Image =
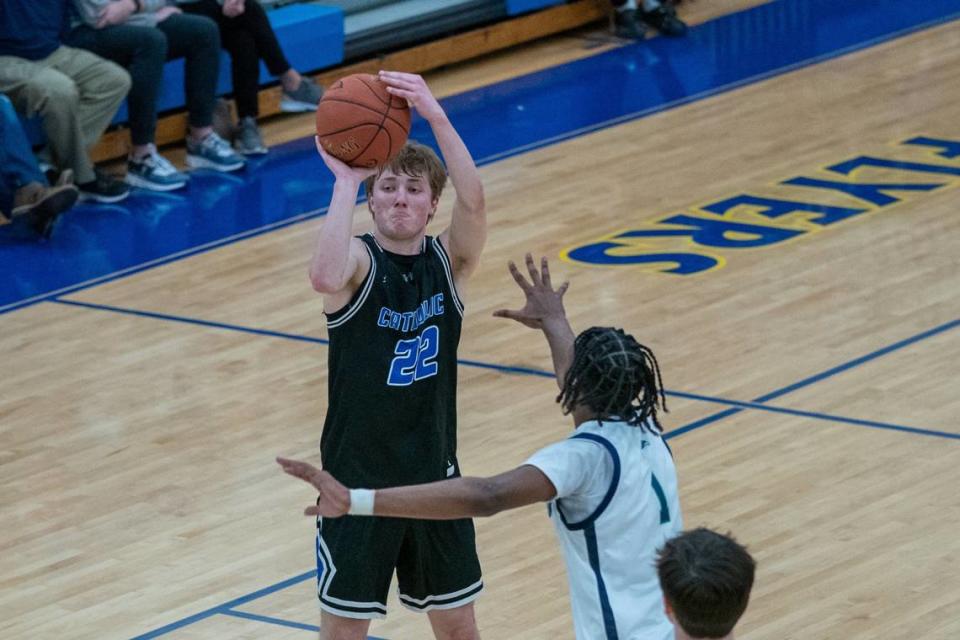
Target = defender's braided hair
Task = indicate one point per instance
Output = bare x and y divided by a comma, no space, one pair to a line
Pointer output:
615,376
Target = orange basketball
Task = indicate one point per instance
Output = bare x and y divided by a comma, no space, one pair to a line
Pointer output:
360,123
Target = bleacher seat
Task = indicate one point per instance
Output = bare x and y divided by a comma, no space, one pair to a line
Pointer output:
516,7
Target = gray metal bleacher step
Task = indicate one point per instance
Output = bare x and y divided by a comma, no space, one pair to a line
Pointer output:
378,26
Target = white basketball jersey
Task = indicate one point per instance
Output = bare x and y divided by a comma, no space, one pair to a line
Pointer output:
611,553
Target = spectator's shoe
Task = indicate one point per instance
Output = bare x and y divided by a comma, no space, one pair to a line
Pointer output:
105,188
248,140
626,24
55,177
65,177
664,19
154,172
303,98
213,152
40,206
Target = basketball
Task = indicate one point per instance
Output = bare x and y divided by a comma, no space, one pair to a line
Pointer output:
361,124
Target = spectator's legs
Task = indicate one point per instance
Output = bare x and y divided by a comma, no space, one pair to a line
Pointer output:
24,191
255,22
18,167
197,40
142,51
248,38
101,86
245,71
75,93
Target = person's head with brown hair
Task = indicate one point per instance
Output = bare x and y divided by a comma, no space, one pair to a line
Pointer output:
706,579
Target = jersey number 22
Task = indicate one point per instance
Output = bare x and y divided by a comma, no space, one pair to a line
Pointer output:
415,359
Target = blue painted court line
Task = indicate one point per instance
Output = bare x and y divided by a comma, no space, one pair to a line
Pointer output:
173,626
702,422
159,262
739,405
810,414
277,621
94,244
857,362
203,323
824,375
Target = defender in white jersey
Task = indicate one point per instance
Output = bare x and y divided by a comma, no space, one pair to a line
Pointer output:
611,485
616,505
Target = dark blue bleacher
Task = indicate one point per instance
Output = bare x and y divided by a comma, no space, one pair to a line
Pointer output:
516,7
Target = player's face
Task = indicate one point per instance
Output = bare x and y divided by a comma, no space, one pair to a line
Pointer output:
402,205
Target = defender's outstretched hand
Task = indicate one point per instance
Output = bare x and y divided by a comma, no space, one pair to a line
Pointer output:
543,301
413,88
334,498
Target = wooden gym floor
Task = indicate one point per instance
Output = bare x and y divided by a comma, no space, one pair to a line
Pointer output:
812,365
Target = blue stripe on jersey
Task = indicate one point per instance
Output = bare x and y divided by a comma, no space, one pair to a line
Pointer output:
588,521
590,534
664,509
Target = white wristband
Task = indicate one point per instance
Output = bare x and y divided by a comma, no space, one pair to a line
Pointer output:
361,502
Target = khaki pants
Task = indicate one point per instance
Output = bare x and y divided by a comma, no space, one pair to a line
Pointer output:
75,93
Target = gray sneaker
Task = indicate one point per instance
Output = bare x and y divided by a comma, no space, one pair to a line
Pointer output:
154,172
213,152
248,140
303,98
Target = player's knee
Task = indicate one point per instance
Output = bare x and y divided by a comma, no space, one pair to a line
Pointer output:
329,633
337,628
463,631
342,634
455,624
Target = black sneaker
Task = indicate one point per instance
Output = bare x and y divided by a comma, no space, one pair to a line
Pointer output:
664,19
105,188
627,25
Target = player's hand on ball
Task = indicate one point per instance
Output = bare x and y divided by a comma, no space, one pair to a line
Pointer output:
543,301
334,498
413,88
340,169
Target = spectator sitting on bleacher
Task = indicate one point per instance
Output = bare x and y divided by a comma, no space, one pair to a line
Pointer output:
141,35
75,93
24,190
248,38
630,21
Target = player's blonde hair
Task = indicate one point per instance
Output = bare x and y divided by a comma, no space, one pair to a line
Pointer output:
416,160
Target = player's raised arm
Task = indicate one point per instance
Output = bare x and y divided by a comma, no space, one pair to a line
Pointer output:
339,261
465,237
544,310
444,500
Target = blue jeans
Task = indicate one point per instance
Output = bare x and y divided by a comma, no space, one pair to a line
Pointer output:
18,166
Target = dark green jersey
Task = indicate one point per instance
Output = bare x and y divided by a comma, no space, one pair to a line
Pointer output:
391,415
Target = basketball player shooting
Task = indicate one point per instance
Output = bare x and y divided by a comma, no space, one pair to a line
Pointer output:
393,301
612,484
